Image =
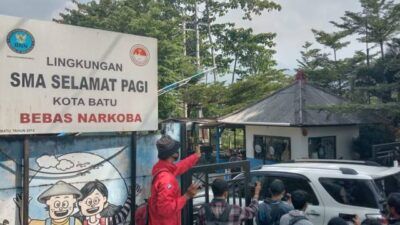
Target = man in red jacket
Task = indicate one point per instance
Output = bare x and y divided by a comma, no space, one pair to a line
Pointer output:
166,201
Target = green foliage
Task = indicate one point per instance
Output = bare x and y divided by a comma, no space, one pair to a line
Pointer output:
377,23
158,19
372,135
331,40
250,53
254,88
372,84
218,99
163,20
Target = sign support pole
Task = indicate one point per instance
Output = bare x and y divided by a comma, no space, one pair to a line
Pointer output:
133,175
25,185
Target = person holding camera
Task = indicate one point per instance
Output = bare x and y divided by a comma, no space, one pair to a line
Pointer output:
220,212
271,210
166,201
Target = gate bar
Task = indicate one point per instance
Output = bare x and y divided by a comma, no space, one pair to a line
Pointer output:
25,184
133,175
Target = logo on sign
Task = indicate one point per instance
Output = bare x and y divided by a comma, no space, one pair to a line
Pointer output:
20,41
140,55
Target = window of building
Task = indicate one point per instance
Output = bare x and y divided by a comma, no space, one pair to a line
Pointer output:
351,191
271,148
322,147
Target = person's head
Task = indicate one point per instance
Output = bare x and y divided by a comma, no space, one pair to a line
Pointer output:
60,200
299,200
94,198
394,205
168,148
337,221
277,188
220,188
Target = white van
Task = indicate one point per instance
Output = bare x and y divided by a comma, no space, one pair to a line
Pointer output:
335,186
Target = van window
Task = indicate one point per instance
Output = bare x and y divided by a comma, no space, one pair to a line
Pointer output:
291,184
353,192
388,184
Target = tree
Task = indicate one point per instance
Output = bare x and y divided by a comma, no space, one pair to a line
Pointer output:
317,66
214,9
377,23
311,58
253,88
250,53
163,21
331,40
371,83
158,19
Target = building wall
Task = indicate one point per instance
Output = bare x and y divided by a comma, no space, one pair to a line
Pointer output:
299,143
344,138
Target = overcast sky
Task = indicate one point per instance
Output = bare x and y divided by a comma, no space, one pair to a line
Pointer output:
292,24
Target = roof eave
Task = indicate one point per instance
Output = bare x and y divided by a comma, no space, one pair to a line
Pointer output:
257,123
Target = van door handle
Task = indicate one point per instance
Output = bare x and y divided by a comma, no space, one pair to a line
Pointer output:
313,213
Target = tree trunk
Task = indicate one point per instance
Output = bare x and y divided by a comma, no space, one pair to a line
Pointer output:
210,39
184,37
337,72
367,54
234,70
382,51
334,55
366,42
197,36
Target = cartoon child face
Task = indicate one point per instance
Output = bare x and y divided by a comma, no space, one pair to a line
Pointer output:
93,203
61,206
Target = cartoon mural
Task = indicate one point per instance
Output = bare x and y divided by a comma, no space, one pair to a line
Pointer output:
60,200
73,180
82,180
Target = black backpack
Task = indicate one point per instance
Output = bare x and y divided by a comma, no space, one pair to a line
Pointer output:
211,219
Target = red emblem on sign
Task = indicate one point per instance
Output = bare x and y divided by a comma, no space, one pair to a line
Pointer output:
139,55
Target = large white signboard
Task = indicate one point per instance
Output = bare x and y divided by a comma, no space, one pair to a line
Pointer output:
58,78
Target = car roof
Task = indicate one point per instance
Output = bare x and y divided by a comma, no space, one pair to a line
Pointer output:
336,168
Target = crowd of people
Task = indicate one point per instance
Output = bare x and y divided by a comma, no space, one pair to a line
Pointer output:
166,201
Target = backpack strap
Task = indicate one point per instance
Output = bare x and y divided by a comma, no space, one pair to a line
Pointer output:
209,214
296,219
225,215
147,214
156,175
71,221
275,212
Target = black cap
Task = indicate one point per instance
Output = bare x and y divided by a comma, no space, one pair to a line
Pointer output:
167,146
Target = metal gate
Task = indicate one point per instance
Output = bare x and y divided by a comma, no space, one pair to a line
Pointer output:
239,189
386,154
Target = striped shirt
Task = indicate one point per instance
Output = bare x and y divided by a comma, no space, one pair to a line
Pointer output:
237,214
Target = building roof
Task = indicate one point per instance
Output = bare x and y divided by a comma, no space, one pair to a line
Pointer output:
295,105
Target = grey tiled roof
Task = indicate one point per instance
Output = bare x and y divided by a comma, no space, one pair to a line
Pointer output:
295,105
